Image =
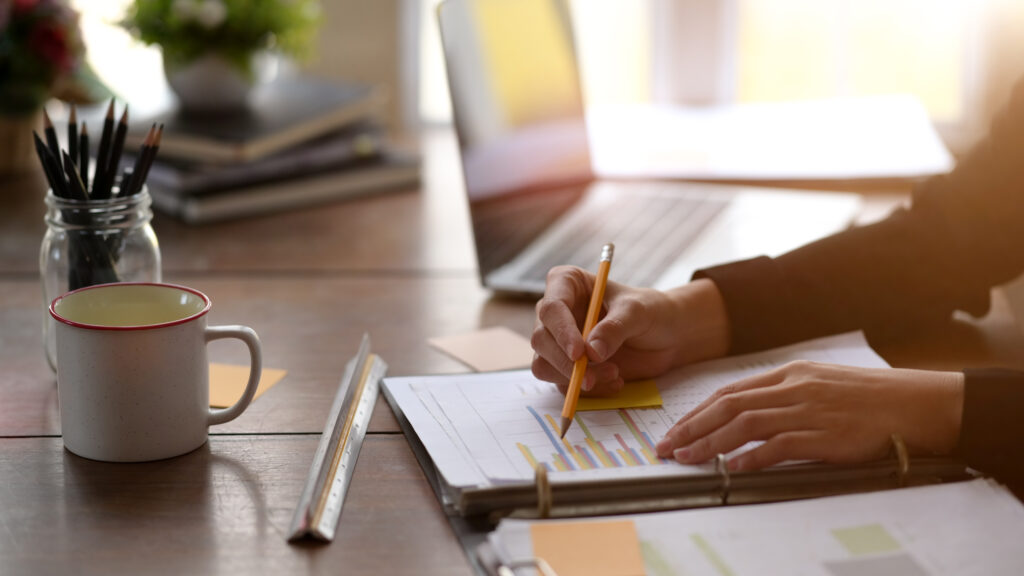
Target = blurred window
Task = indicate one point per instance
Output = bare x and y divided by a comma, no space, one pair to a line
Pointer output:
776,50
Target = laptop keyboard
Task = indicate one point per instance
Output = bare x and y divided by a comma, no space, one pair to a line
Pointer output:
649,232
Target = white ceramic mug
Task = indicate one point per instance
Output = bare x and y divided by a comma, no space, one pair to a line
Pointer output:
132,370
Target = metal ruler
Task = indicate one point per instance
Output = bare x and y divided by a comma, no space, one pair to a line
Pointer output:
335,460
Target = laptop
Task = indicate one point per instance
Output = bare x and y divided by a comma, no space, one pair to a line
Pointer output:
533,198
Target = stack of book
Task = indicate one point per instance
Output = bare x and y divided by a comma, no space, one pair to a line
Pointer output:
300,142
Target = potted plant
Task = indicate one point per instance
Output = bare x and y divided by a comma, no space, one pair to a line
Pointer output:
40,51
209,46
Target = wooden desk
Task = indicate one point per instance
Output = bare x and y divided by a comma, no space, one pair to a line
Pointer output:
310,282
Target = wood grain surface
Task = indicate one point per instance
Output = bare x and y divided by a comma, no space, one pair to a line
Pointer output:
400,266
222,509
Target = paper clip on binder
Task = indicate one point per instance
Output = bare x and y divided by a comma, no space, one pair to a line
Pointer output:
335,460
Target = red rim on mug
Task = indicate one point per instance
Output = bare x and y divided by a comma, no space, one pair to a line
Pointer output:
59,318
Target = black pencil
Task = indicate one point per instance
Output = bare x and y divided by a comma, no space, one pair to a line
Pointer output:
75,183
129,188
52,165
59,179
153,156
73,134
115,154
41,152
103,153
83,155
147,163
126,177
51,135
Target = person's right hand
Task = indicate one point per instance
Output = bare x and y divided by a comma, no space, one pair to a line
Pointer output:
641,334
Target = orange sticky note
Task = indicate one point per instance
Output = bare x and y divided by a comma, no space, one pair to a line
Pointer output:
496,348
227,383
603,548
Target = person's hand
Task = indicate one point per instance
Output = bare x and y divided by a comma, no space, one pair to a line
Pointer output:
811,411
642,333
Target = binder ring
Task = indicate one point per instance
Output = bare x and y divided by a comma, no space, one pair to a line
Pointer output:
721,466
540,564
902,459
543,491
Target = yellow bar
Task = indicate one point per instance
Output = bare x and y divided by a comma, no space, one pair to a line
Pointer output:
527,454
580,460
600,453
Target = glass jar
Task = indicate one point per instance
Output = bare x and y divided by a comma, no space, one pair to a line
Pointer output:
94,242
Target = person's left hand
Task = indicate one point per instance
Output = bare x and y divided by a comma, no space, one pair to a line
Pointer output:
811,411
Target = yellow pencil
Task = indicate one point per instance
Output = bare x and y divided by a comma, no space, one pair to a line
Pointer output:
580,368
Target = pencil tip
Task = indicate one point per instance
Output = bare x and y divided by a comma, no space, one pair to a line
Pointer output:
74,115
124,115
46,119
84,129
566,422
110,108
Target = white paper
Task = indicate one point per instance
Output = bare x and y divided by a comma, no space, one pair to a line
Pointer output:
491,428
957,529
888,136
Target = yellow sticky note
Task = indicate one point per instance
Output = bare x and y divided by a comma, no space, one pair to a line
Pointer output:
604,548
227,383
639,394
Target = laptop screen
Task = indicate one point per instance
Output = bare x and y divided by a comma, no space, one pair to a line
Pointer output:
518,111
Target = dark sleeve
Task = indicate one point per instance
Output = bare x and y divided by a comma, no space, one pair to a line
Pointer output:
992,429
962,235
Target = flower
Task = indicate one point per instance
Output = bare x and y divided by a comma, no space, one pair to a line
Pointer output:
40,47
50,41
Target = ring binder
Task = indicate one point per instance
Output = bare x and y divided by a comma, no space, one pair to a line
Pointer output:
540,564
722,467
902,459
540,497
543,492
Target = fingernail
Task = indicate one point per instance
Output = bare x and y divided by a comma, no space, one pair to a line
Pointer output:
599,348
682,455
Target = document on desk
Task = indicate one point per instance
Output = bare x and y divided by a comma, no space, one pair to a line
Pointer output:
961,528
491,429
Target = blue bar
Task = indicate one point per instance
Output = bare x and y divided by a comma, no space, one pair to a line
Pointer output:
551,437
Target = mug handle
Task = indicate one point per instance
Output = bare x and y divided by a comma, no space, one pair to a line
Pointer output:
252,341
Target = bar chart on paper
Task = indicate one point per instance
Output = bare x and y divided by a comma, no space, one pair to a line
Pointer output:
592,452
515,427
497,427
